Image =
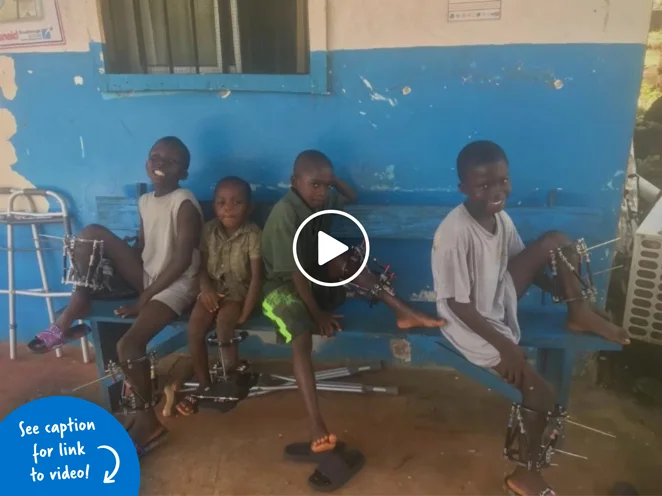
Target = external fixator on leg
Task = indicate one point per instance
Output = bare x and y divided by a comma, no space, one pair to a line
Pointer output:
383,273
131,400
98,276
519,447
90,276
227,387
582,272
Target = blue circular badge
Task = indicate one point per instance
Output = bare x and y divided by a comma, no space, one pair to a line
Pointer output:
66,446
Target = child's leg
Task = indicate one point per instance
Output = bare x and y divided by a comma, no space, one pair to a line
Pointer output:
133,346
199,323
226,321
125,260
293,322
581,317
406,317
537,396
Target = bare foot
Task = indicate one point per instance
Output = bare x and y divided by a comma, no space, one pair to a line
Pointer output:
327,442
523,482
587,320
413,318
170,392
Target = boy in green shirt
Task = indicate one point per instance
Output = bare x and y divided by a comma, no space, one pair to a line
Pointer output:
300,309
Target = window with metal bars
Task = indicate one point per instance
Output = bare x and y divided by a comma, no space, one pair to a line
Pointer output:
205,36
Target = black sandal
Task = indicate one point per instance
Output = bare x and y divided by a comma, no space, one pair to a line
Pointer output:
335,470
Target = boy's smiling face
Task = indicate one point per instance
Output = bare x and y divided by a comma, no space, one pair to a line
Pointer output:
487,187
164,165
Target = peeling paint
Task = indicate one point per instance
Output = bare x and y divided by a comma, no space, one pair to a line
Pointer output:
30,71
388,174
427,295
610,184
558,84
401,349
377,97
406,90
78,80
8,176
82,147
362,112
7,78
225,93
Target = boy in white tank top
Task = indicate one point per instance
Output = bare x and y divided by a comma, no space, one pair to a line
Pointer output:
162,268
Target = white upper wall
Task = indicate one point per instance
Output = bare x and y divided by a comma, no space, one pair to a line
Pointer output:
355,24
358,24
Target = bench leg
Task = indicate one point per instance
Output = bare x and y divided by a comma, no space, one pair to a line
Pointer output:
105,336
556,366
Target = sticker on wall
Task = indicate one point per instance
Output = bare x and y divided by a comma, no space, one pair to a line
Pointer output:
479,10
30,23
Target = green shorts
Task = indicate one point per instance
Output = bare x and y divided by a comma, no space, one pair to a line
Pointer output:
287,311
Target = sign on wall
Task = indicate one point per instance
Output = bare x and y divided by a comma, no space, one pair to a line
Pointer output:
30,23
478,10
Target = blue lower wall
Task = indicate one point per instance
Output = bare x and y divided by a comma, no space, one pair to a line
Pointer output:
564,114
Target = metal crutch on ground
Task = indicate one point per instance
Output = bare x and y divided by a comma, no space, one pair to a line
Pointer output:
11,218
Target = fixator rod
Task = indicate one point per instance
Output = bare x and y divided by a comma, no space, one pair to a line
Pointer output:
603,244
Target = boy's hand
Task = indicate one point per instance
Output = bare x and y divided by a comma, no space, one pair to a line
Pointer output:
327,323
513,362
133,310
210,299
344,189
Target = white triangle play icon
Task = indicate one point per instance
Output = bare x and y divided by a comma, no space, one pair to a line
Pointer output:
328,248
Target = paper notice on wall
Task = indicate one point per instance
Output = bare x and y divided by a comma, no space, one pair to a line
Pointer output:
30,23
480,10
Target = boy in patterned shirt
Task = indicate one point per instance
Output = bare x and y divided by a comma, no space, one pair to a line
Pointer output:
230,279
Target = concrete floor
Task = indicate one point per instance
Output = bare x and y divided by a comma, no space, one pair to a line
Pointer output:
442,435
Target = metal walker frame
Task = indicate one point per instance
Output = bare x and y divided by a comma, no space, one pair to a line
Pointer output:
12,217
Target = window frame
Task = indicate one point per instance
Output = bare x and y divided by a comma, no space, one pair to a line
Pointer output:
315,82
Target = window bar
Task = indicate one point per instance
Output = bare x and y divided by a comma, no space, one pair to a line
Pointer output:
194,29
140,35
236,36
217,25
167,33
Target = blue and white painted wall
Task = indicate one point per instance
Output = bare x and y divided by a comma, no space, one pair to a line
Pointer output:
555,83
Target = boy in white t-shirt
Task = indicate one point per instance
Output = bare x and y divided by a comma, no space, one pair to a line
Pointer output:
481,269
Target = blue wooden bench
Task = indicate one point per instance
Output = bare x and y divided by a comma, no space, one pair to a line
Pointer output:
400,235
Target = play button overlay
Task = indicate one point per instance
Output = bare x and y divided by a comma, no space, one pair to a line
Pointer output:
329,247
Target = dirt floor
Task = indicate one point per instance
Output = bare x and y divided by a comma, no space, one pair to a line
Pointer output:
443,434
